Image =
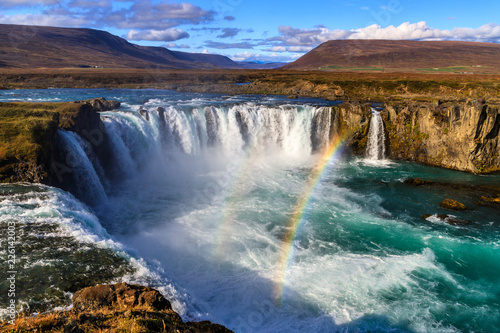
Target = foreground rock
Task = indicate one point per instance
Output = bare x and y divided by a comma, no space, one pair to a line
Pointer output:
452,204
114,308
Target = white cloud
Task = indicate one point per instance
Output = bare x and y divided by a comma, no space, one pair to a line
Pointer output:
166,35
296,38
16,3
90,3
44,20
176,46
308,37
273,57
300,48
421,31
158,16
277,49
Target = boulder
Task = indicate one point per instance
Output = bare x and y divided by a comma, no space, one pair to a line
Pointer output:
417,181
452,204
101,104
144,113
491,200
121,296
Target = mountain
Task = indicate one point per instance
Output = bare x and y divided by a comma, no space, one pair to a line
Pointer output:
23,46
398,55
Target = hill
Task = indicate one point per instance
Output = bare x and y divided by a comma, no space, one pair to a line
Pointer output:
401,55
51,47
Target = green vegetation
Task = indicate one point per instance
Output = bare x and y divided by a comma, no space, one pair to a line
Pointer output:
408,141
451,69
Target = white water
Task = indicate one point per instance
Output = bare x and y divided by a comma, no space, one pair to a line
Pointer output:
83,171
231,131
376,138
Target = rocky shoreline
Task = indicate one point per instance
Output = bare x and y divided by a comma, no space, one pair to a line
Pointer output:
117,307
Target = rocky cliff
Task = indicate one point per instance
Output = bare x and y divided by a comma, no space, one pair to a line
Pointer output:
29,149
461,135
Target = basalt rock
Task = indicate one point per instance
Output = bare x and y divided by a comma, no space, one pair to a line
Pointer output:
452,204
144,113
455,134
461,135
121,296
101,104
30,149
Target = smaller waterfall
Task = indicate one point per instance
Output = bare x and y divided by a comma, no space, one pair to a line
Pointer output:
375,149
85,175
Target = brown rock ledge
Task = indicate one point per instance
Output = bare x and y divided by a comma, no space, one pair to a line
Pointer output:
120,307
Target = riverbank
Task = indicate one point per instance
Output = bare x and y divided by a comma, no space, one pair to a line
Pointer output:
377,87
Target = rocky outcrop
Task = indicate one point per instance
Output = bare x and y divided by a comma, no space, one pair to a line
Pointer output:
120,307
121,296
101,104
29,151
459,134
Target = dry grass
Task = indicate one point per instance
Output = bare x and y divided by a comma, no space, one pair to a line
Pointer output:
354,85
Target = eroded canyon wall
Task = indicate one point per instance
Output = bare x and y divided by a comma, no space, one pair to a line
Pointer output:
461,135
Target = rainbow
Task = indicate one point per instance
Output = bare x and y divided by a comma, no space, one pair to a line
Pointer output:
295,222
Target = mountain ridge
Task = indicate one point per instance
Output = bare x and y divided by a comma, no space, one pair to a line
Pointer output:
401,55
24,46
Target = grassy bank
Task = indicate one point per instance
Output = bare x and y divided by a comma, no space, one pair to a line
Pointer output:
26,133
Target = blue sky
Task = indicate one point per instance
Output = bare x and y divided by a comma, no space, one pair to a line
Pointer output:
263,30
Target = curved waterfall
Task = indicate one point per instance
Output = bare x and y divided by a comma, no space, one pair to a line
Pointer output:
158,135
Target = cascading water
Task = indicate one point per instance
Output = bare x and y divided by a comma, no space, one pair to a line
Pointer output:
375,149
231,130
205,189
84,172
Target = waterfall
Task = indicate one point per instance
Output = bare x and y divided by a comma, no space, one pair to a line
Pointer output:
79,156
229,130
376,137
156,138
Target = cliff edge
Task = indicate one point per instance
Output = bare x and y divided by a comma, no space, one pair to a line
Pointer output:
457,134
28,136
